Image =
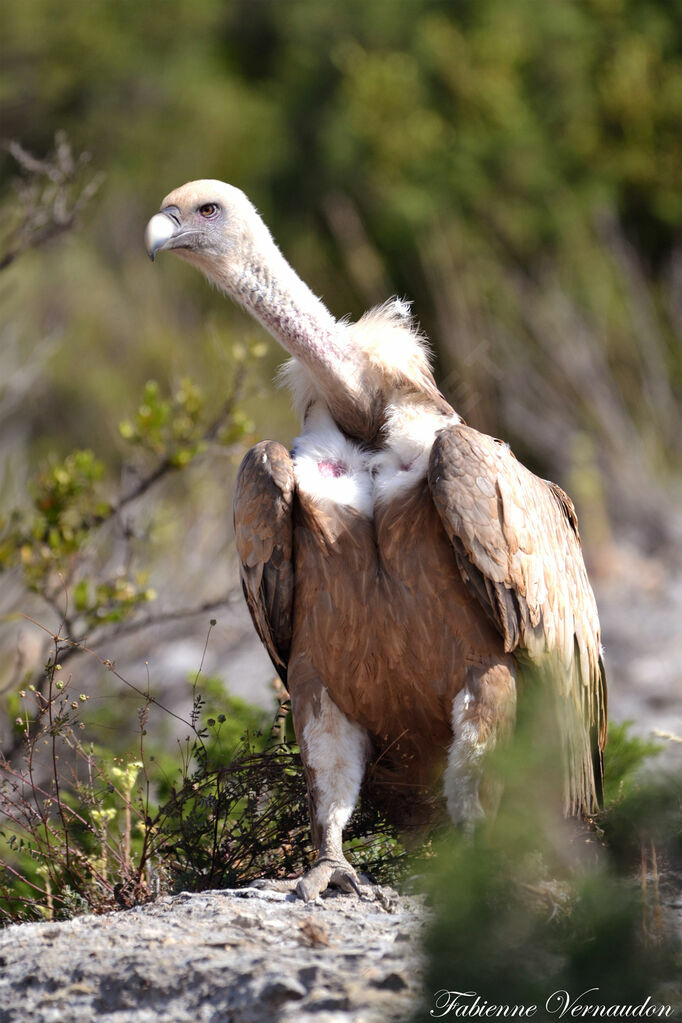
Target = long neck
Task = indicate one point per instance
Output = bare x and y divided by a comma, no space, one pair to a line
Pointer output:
262,281
270,290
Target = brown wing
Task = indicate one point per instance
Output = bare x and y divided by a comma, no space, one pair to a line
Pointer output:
263,498
517,546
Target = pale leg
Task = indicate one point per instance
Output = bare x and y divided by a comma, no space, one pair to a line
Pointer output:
334,752
483,712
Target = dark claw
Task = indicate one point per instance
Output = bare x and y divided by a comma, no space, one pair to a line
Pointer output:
355,886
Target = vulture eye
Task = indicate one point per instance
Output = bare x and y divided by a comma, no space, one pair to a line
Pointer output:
209,209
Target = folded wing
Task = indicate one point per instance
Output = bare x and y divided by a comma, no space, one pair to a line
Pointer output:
263,525
516,542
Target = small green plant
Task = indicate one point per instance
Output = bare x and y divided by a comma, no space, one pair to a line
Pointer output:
61,800
48,541
84,830
625,756
106,831
67,840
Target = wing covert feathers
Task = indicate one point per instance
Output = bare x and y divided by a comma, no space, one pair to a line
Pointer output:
517,547
264,493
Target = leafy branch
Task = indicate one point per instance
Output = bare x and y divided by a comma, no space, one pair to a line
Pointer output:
52,546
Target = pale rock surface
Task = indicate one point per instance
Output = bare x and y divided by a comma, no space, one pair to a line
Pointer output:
234,956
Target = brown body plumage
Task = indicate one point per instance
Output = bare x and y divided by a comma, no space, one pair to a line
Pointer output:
399,566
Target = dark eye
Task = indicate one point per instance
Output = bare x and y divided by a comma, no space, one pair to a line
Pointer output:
209,209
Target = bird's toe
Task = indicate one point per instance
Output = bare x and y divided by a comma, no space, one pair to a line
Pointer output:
345,878
274,884
326,871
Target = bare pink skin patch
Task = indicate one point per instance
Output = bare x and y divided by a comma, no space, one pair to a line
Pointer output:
331,470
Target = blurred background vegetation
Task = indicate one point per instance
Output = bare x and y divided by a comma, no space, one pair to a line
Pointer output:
512,166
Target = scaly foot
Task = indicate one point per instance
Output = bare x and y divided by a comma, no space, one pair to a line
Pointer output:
328,871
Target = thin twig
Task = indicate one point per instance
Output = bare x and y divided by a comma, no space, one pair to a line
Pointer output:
55,770
163,618
76,646
50,200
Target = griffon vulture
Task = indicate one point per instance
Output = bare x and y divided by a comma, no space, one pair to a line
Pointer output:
398,565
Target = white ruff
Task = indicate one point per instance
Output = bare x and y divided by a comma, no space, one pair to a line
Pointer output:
410,431
323,445
329,468
391,357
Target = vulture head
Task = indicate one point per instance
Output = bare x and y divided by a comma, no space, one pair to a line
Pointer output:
210,224
215,227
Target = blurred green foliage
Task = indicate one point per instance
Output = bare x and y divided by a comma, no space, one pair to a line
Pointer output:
51,542
624,755
168,427
536,905
511,165
514,935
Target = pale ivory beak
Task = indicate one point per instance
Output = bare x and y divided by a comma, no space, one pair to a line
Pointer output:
158,233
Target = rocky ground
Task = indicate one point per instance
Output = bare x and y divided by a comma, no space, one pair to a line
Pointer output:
236,956
642,632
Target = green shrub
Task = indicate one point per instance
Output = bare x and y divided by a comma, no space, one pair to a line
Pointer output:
536,905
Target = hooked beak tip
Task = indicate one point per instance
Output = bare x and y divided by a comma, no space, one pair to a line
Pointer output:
158,233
